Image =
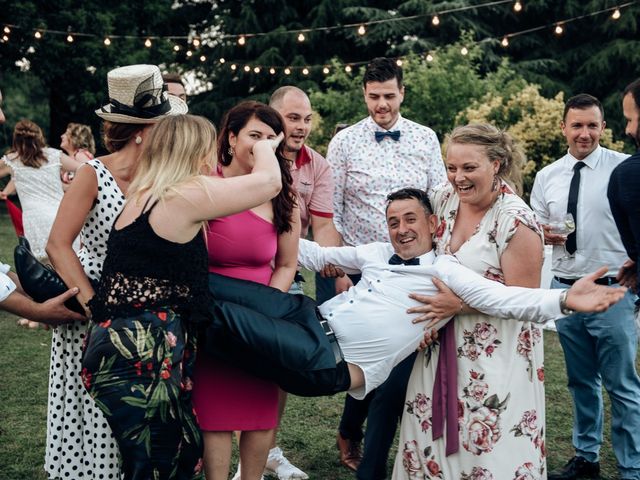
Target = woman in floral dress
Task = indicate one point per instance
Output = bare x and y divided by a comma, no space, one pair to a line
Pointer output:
497,430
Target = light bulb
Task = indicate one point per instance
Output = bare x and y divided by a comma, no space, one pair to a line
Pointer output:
222,60
464,50
189,53
361,30
325,70
147,43
559,30
107,41
435,20
305,71
196,42
429,58
256,70
272,71
247,68
301,37
242,40
348,69
233,67
287,71
176,48
505,42
70,38
517,7
202,58
616,14
38,35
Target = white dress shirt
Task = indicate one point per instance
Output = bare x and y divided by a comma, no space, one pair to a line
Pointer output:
370,320
597,239
366,171
7,286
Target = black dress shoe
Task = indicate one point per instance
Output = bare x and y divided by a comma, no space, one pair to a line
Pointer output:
576,468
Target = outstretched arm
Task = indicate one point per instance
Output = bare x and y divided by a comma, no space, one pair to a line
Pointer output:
527,304
314,257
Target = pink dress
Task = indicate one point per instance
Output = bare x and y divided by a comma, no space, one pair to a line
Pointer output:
226,398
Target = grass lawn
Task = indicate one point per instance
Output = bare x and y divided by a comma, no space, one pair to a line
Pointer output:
308,430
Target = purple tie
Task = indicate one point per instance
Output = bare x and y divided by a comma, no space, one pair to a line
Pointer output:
445,390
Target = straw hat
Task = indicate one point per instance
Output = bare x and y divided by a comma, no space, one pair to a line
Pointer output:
138,95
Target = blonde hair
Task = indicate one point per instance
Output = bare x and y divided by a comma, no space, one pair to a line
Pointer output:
176,150
28,142
498,145
80,136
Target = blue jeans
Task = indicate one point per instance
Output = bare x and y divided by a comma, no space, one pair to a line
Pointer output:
600,348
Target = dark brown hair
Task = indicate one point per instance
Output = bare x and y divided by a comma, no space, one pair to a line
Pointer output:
28,142
234,121
116,135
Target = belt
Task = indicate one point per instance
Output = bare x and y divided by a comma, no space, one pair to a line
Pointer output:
599,281
331,336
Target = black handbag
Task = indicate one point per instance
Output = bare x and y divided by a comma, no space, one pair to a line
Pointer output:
40,281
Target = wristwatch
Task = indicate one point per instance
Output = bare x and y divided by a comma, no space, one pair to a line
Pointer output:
563,303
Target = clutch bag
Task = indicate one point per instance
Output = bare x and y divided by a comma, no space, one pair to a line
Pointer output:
41,282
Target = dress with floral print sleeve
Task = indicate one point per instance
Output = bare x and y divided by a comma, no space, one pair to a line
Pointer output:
501,414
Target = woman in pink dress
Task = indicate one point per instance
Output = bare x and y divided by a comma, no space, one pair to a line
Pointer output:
261,245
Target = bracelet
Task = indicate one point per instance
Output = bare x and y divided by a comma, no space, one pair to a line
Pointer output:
563,303
461,305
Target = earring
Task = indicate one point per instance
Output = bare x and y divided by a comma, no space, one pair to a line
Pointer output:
138,139
494,186
230,151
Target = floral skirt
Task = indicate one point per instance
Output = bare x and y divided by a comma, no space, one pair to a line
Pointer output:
138,371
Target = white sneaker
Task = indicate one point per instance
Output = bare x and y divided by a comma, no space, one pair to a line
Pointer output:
237,475
278,466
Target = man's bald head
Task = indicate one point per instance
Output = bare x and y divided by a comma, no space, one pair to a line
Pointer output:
294,106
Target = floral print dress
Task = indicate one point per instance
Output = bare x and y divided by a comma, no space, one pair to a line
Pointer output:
500,383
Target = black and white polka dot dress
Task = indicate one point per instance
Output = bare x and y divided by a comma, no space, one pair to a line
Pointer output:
79,441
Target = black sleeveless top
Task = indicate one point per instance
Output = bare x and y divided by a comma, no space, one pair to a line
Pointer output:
145,271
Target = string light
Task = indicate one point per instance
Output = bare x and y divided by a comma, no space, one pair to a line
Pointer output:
189,53
429,57
361,30
176,48
435,20
301,37
305,71
107,41
325,70
256,70
287,71
272,71
7,30
147,43
247,68
38,35
202,58
464,50
505,42
70,38
517,7
616,14
399,62
559,30
196,42
5,38
222,60
242,40
233,67
348,69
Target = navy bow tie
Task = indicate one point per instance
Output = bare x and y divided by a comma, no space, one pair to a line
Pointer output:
396,260
395,135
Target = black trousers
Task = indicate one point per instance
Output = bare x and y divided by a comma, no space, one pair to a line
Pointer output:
382,409
273,335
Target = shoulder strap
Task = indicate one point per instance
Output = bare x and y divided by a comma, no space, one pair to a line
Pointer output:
144,208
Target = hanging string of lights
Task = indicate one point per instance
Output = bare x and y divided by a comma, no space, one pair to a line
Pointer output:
195,41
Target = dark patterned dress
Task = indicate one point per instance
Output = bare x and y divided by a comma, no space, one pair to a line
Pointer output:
140,350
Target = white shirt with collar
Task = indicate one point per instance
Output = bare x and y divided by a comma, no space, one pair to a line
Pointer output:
597,239
370,320
7,287
366,171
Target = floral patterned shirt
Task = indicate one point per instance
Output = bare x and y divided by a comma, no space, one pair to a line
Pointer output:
366,171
